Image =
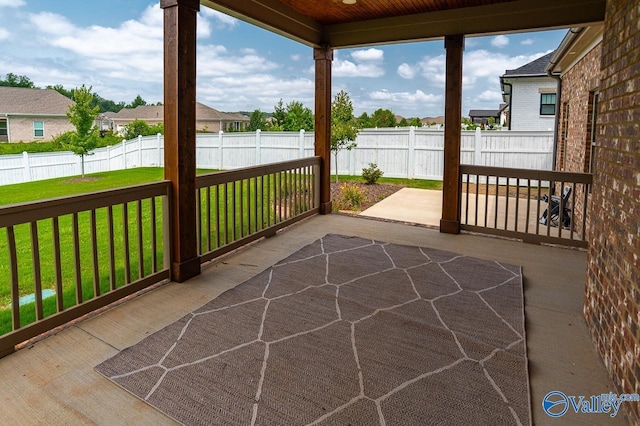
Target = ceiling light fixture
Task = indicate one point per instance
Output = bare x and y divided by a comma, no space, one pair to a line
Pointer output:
349,1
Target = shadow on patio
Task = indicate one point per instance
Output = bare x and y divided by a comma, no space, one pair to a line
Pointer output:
53,381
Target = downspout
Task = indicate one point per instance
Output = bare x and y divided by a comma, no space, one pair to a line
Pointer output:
510,102
554,160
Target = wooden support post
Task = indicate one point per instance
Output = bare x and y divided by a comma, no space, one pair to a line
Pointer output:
180,132
451,186
323,58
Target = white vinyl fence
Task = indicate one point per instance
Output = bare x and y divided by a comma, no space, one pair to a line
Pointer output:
403,152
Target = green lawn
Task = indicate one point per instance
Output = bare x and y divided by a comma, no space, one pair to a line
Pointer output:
47,189
240,219
60,187
248,218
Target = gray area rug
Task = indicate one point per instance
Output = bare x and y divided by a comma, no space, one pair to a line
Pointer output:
345,331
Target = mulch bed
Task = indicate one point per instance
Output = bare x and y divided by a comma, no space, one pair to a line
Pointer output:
374,193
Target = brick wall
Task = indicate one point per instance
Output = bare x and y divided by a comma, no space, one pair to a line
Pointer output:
21,128
579,84
525,104
612,295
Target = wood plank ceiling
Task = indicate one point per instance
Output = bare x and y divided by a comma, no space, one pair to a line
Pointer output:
336,24
336,11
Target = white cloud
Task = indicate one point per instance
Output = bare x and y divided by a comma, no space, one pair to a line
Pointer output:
296,57
406,71
12,3
480,68
489,96
527,41
416,97
368,55
51,23
366,63
261,91
216,61
500,41
4,34
350,69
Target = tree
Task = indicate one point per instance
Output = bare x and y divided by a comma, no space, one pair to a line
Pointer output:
298,117
64,92
344,127
136,128
257,121
138,101
279,115
415,122
13,80
82,115
383,118
364,121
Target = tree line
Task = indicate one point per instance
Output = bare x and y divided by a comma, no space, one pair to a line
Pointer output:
295,117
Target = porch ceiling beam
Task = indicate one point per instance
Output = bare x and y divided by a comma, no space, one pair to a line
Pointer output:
514,16
273,16
522,15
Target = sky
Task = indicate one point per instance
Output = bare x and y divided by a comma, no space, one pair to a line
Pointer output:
116,47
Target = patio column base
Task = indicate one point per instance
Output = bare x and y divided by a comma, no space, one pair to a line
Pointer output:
449,226
180,272
326,208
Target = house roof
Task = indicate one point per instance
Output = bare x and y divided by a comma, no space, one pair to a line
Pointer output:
429,120
23,101
574,46
484,113
141,112
338,25
532,69
156,112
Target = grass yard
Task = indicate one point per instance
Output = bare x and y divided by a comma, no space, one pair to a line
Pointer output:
53,188
237,217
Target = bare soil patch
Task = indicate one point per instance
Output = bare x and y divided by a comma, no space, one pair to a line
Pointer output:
81,179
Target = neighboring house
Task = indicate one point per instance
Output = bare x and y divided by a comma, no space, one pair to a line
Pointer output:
430,121
481,116
28,115
207,119
577,61
530,94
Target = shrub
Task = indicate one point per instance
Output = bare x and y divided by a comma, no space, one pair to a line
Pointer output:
371,174
350,198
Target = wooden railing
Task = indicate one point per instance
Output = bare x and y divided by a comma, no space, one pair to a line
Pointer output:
242,205
63,258
525,204
83,251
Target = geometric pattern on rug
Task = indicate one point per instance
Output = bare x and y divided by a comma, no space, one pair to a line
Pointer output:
345,331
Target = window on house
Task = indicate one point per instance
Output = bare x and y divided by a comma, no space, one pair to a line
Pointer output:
547,104
3,128
38,129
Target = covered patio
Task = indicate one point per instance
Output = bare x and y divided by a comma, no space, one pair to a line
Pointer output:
54,380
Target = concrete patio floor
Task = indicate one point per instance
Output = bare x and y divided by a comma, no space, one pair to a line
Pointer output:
53,382
424,207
